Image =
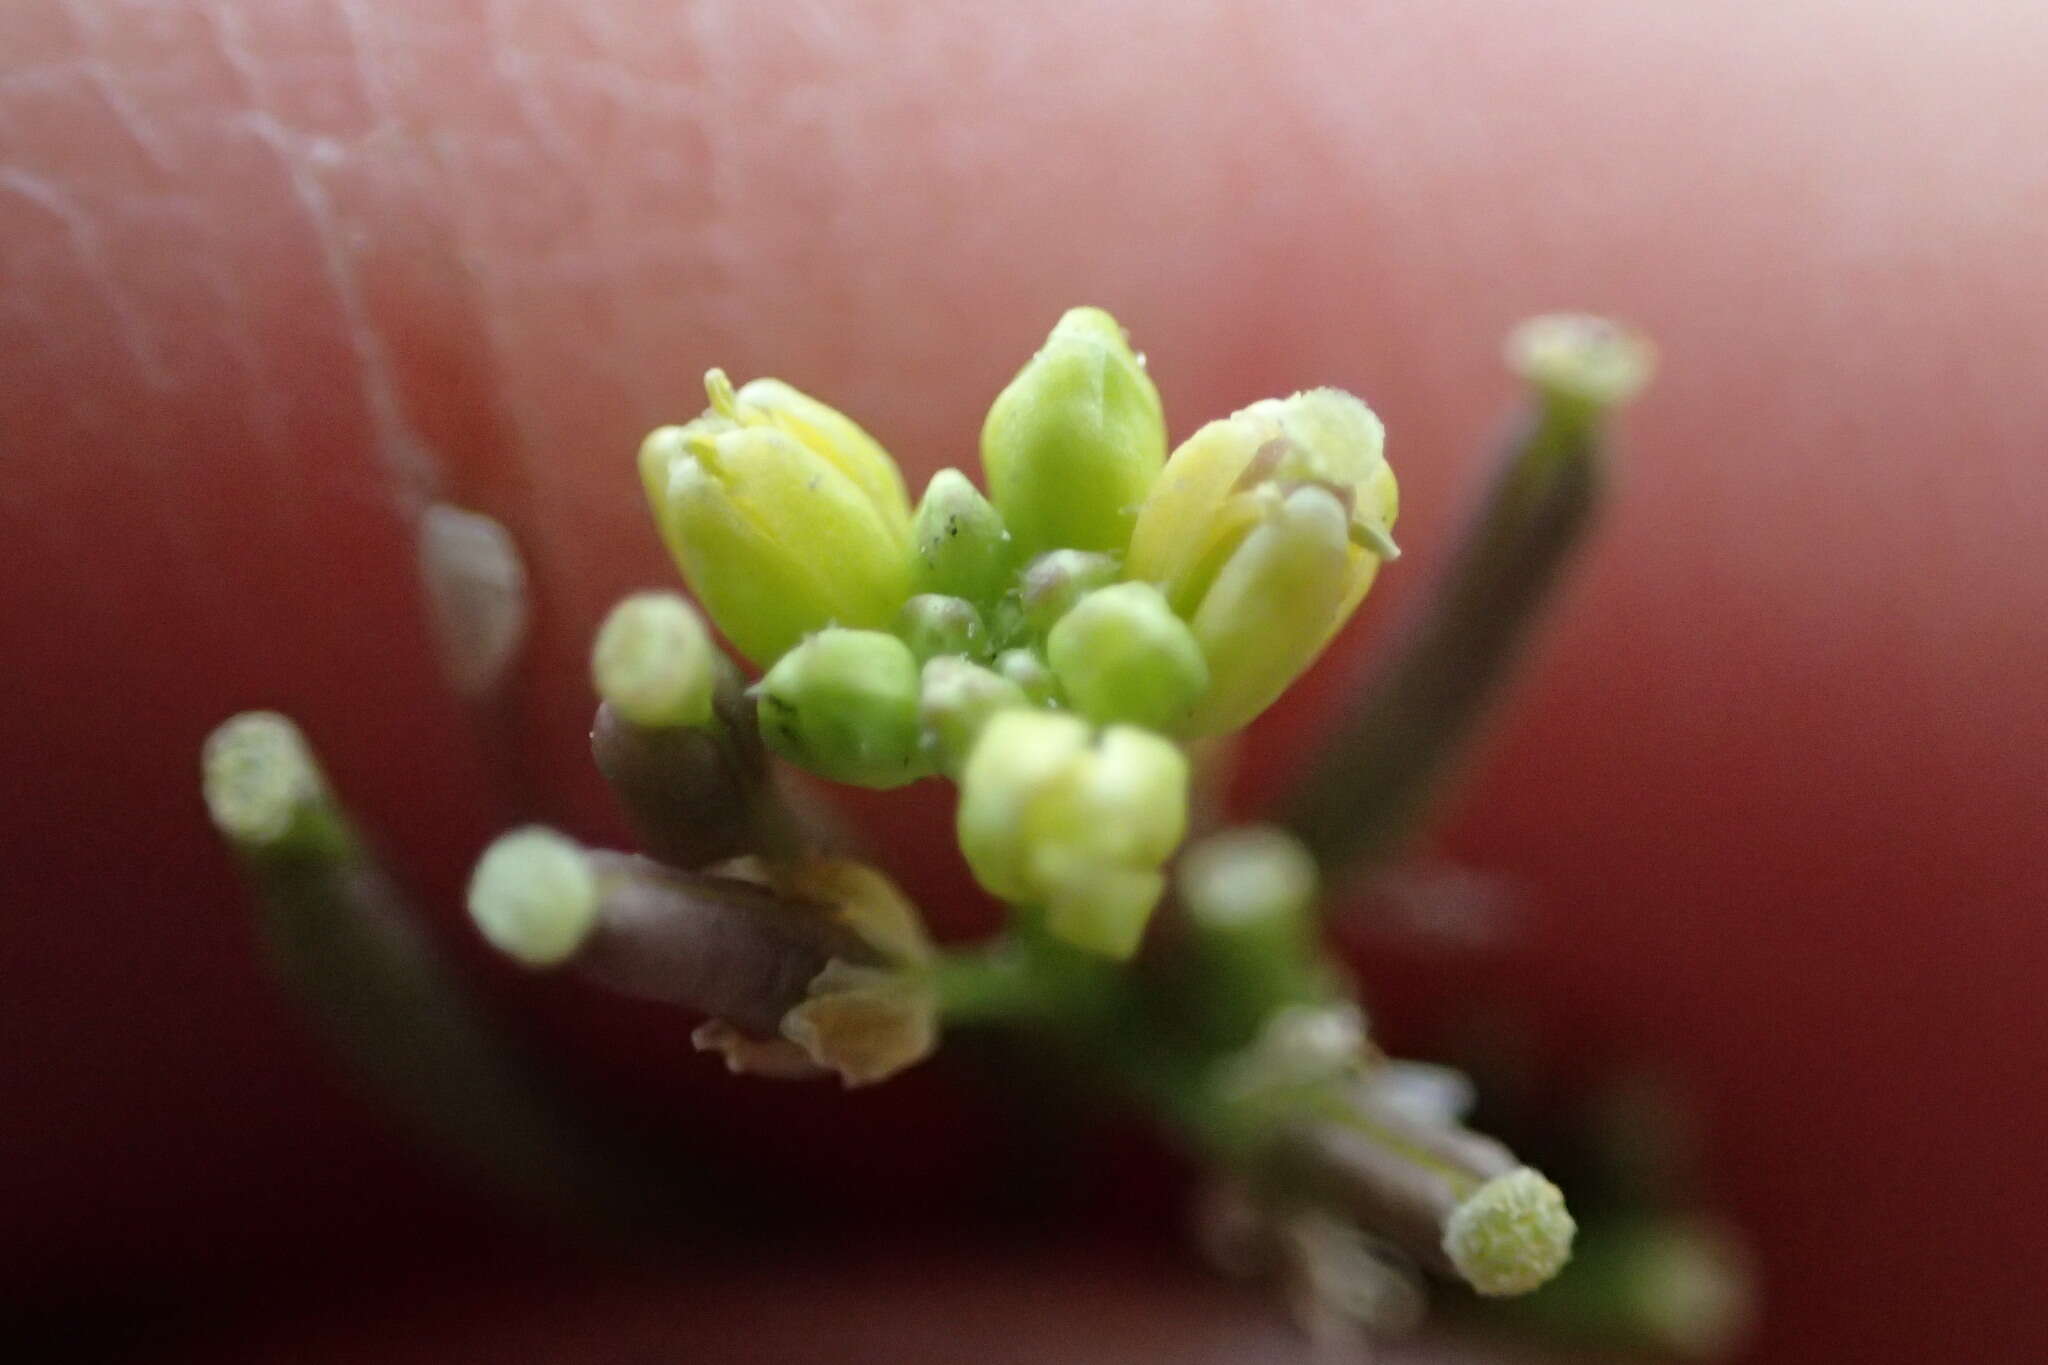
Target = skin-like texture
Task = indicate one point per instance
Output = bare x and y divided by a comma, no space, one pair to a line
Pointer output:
276,275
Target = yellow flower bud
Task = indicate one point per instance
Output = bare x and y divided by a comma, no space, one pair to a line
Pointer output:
826,430
1075,440
1264,532
1079,822
778,536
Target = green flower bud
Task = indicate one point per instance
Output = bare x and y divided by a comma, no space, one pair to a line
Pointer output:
1029,672
654,662
776,537
1057,580
933,625
844,705
1264,533
962,547
1511,1234
958,699
534,896
1072,445
1055,814
1122,656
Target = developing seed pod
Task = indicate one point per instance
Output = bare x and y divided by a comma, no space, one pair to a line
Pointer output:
653,660
1510,1235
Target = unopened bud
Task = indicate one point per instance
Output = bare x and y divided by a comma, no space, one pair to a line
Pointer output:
1122,656
823,429
1030,672
1057,580
1074,442
962,548
958,699
1264,532
1055,815
934,625
775,537
844,704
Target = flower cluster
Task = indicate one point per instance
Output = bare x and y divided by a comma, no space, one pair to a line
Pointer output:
1057,647
1051,644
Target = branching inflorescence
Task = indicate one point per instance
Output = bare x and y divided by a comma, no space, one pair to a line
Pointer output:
1070,649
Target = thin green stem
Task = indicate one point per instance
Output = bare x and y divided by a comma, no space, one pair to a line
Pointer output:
343,943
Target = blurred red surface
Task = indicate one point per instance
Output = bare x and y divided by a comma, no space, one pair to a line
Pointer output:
276,275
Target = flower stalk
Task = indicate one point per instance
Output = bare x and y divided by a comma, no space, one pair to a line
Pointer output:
341,941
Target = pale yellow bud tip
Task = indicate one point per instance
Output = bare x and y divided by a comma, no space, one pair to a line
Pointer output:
654,662
1575,355
1511,1234
258,774
1367,533
718,390
534,896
